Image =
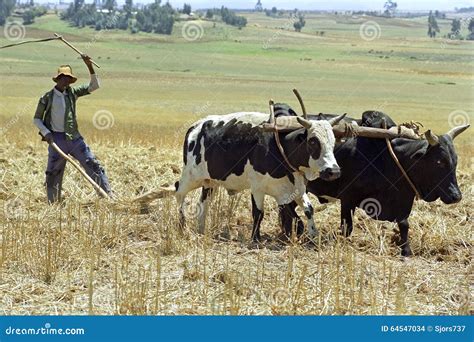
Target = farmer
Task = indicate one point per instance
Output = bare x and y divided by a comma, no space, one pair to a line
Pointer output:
56,119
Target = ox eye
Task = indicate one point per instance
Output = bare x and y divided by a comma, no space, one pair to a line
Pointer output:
440,163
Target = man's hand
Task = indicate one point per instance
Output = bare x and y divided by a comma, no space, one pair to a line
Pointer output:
88,62
48,138
86,59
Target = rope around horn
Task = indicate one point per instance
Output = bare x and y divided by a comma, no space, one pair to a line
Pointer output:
395,159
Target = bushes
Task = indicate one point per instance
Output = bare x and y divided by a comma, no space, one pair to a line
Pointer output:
298,25
153,18
228,17
231,18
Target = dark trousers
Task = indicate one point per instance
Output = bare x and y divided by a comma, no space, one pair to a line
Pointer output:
78,149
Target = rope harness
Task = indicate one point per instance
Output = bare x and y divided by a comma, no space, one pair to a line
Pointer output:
395,158
282,152
350,133
277,139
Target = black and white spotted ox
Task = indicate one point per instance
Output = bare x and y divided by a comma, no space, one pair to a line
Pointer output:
371,180
232,151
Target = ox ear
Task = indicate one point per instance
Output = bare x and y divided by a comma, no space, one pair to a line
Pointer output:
420,152
300,134
432,138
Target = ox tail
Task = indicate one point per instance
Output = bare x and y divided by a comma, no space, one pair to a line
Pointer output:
155,194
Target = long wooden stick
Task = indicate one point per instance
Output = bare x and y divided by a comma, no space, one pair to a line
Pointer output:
86,176
29,41
343,130
73,47
300,100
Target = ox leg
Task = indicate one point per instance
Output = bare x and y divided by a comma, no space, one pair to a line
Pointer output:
182,188
289,219
182,217
305,203
257,213
404,243
206,194
346,218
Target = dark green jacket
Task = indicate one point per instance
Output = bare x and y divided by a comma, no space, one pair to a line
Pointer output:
43,110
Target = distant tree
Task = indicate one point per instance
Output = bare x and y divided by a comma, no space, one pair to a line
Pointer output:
455,28
187,9
464,9
165,19
433,27
156,18
470,27
128,8
209,14
298,25
6,7
390,8
439,15
28,17
271,13
231,18
259,6
110,5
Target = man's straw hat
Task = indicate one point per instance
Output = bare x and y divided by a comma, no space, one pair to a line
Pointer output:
65,70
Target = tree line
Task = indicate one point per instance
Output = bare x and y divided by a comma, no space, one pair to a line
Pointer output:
153,18
456,26
229,17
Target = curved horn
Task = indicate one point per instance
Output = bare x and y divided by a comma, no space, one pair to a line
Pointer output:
271,120
337,119
300,100
432,138
305,123
454,132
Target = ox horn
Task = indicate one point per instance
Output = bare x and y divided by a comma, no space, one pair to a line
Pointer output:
337,119
305,123
272,112
432,138
454,132
300,100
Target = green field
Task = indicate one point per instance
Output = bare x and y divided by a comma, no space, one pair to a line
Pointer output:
168,79
71,260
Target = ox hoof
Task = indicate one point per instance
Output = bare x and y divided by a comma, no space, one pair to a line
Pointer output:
406,252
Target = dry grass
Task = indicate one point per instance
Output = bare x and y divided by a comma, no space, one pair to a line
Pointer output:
112,259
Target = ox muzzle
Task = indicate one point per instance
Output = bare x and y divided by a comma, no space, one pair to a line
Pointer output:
330,173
